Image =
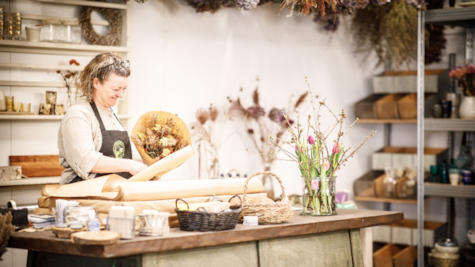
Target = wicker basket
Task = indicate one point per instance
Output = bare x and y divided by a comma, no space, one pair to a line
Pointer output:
267,213
204,221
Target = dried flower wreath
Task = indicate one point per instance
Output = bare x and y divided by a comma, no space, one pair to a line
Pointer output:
115,23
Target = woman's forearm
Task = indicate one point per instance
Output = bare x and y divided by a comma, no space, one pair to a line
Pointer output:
111,165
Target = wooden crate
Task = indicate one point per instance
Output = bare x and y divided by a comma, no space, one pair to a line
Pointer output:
433,231
384,256
401,157
406,81
363,186
365,108
382,233
406,233
407,107
406,258
38,166
386,107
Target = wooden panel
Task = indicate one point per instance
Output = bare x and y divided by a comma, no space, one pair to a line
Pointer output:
235,255
38,166
177,240
356,250
328,249
36,259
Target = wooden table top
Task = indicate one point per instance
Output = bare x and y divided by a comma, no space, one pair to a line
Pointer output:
298,225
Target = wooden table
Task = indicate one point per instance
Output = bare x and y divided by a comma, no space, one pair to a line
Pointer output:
302,241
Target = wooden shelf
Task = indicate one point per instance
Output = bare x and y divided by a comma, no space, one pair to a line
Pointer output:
40,67
54,47
44,117
386,121
32,181
386,200
33,84
82,3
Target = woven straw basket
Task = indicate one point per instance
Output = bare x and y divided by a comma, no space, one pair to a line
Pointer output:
267,213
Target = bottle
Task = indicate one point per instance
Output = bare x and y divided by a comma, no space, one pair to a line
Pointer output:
93,223
465,156
443,173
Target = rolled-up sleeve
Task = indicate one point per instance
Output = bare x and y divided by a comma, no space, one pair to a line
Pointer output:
79,150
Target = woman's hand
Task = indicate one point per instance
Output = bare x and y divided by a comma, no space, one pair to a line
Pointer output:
136,167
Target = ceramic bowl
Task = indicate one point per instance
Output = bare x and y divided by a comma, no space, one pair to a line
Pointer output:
446,249
446,256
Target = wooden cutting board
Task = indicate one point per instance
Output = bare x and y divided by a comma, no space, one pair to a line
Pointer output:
38,166
95,238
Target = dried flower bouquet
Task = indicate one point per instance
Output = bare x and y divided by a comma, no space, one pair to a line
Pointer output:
210,132
318,161
159,134
260,124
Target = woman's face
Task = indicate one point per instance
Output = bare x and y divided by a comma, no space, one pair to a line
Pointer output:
109,91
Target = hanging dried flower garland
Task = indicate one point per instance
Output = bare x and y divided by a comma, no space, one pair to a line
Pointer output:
115,26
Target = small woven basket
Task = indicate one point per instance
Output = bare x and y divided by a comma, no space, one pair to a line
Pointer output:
204,221
267,213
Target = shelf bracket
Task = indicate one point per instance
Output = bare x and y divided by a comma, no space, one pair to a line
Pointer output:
420,136
469,46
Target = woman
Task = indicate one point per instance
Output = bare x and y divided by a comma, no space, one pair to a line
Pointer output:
92,142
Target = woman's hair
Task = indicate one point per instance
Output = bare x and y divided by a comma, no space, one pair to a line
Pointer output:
96,69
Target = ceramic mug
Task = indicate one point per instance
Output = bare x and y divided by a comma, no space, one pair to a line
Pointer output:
33,33
26,107
454,178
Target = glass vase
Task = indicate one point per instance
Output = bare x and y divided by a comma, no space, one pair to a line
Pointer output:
318,196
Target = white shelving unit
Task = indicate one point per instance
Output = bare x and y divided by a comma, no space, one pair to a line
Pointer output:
462,17
72,50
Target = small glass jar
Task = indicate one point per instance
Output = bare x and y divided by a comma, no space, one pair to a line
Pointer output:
72,32
52,31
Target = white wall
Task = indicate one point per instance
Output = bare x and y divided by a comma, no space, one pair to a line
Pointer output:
182,60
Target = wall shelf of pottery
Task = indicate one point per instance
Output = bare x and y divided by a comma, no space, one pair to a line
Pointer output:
452,100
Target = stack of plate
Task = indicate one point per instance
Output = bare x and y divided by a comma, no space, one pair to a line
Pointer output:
446,256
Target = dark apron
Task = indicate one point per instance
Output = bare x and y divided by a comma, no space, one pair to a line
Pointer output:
115,144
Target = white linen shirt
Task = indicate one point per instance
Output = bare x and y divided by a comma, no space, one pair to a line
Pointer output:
80,139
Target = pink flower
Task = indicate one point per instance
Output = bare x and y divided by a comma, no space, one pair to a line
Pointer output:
336,148
311,140
327,165
297,148
314,184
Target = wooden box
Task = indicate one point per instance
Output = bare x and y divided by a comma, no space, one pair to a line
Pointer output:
406,81
38,166
407,107
386,107
384,256
402,157
365,108
433,231
406,258
382,234
363,186
406,233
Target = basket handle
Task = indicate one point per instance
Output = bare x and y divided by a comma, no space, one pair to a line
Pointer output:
262,173
234,197
178,199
